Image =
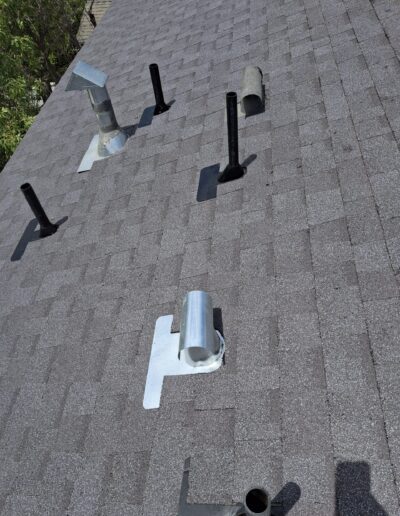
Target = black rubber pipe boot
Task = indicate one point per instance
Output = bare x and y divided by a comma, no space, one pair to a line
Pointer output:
161,106
47,228
234,169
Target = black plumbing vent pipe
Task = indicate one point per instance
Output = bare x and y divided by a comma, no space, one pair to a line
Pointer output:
234,169
47,228
161,106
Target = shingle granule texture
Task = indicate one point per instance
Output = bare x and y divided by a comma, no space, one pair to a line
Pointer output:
302,255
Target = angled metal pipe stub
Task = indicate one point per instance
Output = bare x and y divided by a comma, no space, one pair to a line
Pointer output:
85,76
111,138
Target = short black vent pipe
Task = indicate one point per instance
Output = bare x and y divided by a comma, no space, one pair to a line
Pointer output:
161,106
234,170
47,228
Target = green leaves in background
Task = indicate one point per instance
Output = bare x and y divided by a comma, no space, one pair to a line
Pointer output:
37,42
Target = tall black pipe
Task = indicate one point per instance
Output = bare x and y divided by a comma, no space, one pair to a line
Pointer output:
234,169
46,227
161,106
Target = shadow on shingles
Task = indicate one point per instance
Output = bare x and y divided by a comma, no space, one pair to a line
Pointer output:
249,160
285,500
208,181
29,235
148,115
353,491
217,319
281,504
129,130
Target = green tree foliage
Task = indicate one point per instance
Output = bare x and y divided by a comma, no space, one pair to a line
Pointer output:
37,42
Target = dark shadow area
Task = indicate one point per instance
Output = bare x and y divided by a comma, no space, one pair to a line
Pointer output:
208,183
285,500
217,319
249,160
129,130
219,325
29,235
353,491
260,106
61,221
281,504
148,115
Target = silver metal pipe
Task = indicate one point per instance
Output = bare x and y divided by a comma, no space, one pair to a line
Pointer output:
111,137
103,108
199,343
256,501
252,94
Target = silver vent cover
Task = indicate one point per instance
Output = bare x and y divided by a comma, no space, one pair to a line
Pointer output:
111,138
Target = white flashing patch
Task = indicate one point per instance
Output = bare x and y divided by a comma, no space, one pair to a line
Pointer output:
164,361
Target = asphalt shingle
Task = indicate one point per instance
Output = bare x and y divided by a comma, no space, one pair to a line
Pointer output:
301,255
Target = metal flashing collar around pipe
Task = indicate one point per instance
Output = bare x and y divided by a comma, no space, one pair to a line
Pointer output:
111,137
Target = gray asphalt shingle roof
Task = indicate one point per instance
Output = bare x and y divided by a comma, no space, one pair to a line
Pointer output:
301,255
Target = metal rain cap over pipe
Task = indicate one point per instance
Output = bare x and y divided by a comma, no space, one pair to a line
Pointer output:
86,77
199,342
252,94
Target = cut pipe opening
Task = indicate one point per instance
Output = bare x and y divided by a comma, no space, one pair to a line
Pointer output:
257,500
252,94
25,187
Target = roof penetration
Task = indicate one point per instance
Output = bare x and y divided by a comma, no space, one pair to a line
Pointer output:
300,256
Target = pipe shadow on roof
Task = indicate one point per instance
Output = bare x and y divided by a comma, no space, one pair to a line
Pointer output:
353,491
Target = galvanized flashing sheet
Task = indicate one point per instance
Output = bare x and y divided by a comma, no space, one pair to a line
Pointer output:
164,361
